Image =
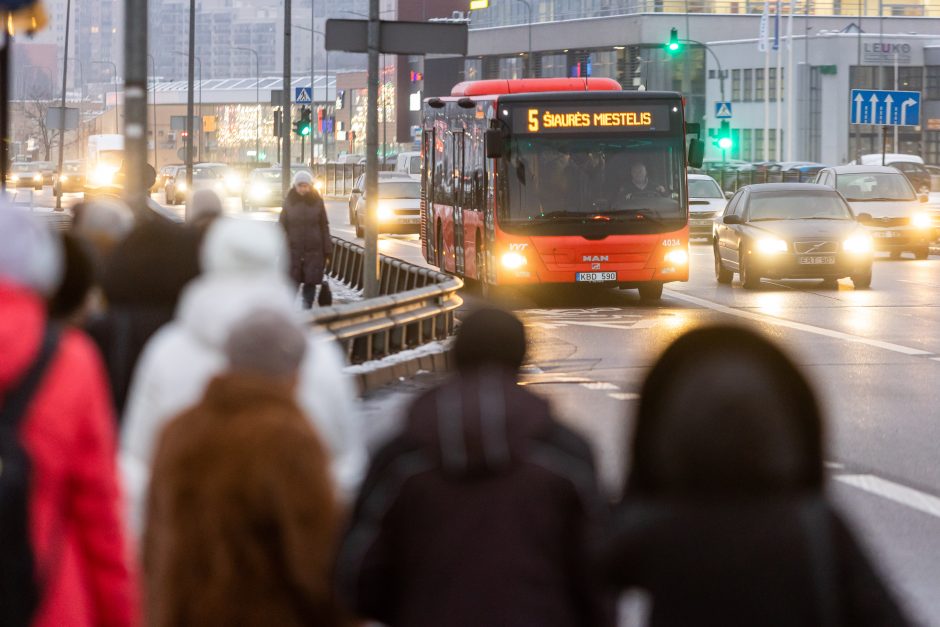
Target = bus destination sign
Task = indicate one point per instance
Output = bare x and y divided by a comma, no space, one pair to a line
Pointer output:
590,118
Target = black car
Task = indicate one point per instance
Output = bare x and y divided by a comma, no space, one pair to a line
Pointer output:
790,231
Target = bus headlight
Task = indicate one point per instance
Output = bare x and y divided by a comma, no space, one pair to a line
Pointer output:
513,260
181,186
770,246
37,177
103,175
857,244
64,178
384,213
921,220
677,257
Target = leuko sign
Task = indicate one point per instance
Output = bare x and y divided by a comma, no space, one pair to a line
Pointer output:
885,108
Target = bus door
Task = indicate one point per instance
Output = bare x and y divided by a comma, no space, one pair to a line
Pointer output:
460,197
427,195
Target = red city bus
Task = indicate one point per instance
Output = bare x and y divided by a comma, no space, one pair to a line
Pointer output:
556,180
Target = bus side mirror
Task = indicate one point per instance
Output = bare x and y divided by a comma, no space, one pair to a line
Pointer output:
696,153
495,143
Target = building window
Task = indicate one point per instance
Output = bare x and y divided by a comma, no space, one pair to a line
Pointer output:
746,147
910,79
473,69
554,65
511,67
759,84
604,63
933,82
759,144
748,85
735,85
772,83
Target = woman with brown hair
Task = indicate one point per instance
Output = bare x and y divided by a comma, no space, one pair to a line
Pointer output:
242,518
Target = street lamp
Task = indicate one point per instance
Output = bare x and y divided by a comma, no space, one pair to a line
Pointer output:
257,99
117,122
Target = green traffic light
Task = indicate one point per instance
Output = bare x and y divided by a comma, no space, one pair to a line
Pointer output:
305,130
673,45
725,143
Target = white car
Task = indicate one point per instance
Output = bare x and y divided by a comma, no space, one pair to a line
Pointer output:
706,200
399,207
884,201
361,185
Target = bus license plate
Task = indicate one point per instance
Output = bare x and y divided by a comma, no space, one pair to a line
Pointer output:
887,234
596,277
817,260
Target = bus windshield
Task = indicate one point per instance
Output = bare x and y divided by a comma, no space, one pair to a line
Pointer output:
628,179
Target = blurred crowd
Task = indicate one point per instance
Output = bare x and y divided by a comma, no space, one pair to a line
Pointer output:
179,447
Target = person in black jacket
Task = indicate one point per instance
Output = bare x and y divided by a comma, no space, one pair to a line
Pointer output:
308,235
479,512
724,519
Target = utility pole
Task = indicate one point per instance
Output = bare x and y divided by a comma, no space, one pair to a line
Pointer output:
285,106
190,105
370,270
313,91
65,73
136,186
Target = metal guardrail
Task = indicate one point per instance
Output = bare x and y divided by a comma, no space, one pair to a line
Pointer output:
730,179
415,306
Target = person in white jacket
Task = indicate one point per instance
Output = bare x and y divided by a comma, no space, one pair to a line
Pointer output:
244,268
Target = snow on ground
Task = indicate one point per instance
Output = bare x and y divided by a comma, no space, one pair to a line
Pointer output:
342,293
430,348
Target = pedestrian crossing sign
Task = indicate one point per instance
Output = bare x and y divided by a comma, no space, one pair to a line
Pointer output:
723,110
302,95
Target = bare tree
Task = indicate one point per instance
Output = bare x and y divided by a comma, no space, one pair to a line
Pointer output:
35,108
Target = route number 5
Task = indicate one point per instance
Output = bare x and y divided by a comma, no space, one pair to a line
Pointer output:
533,120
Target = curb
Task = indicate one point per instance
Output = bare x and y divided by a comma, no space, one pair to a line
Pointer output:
400,370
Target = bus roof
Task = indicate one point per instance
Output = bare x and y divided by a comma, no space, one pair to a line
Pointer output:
494,87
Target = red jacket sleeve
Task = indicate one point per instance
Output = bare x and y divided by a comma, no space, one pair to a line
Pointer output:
95,499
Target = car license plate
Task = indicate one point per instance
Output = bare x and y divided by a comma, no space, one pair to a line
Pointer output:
886,234
700,222
813,260
596,277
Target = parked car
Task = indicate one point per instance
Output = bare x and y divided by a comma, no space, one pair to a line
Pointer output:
886,204
165,174
934,172
72,180
706,200
789,231
25,174
361,185
409,163
399,209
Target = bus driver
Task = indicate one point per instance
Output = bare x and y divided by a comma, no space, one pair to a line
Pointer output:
639,184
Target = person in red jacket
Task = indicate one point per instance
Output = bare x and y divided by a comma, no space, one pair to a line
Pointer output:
74,508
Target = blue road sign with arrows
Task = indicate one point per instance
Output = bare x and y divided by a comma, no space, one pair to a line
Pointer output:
885,108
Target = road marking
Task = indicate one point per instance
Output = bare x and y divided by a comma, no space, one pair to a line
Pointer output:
599,385
799,326
904,495
624,396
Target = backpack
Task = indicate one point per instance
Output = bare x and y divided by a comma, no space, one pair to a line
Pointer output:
19,580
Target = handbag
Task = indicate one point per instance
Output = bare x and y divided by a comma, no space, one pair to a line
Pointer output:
325,297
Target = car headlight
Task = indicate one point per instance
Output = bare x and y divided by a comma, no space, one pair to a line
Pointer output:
259,191
770,245
857,244
15,178
37,177
921,220
233,182
103,175
318,185
384,213
64,178
513,260
181,186
676,257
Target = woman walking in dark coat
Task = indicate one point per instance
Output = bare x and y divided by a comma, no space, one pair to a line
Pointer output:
725,520
308,235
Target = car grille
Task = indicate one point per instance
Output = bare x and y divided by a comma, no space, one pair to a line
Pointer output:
882,222
815,246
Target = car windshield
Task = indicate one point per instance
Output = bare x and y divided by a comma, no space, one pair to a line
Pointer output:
704,188
619,178
72,167
266,175
399,189
414,166
23,167
869,186
205,173
797,205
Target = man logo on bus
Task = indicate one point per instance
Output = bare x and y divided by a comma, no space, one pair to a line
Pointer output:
589,258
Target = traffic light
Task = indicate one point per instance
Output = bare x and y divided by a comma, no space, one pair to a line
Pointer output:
674,46
302,126
724,140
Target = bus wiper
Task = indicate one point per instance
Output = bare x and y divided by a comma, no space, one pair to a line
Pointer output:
565,214
640,214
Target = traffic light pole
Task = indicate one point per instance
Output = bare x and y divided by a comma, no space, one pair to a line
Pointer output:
370,270
721,74
285,104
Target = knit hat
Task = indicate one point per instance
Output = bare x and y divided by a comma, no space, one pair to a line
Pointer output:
30,254
238,246
303,176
